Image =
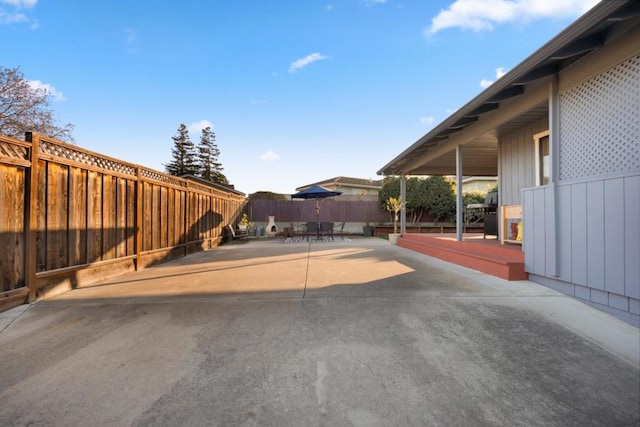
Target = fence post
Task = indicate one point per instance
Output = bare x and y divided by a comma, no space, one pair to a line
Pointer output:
138,218
187,220
31,218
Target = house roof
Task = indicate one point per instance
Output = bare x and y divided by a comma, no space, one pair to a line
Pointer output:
434,153
345,181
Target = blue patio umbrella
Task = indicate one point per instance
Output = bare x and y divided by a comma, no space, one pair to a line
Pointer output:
316,192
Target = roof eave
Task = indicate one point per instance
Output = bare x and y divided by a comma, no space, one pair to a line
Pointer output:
573,32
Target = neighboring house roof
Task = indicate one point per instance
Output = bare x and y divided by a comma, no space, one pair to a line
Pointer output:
344,181
478,124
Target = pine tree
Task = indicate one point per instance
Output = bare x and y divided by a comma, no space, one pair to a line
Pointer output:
208,152
183,153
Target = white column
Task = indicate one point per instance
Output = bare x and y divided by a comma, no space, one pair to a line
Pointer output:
403,199
459,204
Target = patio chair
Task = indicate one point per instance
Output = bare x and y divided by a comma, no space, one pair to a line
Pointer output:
311,228
237,233
338,228
326,228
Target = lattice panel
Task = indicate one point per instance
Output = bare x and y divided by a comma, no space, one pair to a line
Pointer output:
83,157
600,123
150,174
13,151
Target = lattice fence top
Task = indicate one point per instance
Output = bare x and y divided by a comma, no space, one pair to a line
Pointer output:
153,175
600,123
83,157
13,150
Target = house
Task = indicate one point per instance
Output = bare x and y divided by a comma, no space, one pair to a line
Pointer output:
479,184
365,189
561,131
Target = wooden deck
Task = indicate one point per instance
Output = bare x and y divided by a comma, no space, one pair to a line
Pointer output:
485,255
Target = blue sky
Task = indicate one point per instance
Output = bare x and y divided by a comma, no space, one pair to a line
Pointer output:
296,91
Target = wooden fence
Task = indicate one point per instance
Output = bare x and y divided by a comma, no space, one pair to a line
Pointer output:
71,217
332,209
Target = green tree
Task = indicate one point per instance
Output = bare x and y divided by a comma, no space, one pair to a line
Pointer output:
183,153
208,154
415,197
441,199
25,107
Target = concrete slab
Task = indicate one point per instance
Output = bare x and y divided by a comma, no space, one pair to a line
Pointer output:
359,333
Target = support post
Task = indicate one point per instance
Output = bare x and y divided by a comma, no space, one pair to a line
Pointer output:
403,200
31,223
459,204
554,172
138,218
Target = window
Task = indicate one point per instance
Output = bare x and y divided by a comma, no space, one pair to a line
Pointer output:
543,159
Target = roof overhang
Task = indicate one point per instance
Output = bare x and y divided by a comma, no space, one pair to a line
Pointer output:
517,98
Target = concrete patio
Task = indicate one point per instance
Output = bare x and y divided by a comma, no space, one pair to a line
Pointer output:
353,333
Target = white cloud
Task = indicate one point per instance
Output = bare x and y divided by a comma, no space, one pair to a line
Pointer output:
376,1
303,62
427,120
499,73
14,16
269,156
20,3
478,15
198,126
48,89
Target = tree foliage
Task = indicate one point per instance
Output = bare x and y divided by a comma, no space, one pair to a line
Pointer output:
267,195
434,195
25,108
208,154
183,154
441,199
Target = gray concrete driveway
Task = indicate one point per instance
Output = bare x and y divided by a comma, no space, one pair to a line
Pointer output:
328,334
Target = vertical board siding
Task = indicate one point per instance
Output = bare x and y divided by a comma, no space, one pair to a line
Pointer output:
41,217
579,234
517,160
164,218
528,245
77,216
614,236
94,217
12,193
595,235
565,233
550,231
131,217
57,216
632,237
109,188
599,237
539,233
121,218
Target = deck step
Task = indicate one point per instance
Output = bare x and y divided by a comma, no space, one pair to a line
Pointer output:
505,263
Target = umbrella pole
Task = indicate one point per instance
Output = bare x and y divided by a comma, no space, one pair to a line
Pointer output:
317,220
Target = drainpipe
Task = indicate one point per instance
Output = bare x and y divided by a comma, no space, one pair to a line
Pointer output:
459,204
